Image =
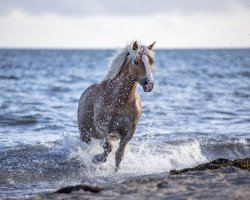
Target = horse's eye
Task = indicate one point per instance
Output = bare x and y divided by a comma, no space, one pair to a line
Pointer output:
135,61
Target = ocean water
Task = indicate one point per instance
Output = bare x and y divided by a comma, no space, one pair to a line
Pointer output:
199,110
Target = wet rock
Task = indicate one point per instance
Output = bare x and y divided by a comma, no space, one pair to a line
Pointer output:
216,164
70,189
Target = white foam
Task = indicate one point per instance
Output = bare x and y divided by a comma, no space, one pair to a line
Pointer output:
149,158
140,159
241,141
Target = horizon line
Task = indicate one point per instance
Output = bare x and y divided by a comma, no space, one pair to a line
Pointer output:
113,48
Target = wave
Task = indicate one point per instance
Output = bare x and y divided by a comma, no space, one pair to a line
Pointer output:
140,158
10,77
12,120
72,154
29,168
232,149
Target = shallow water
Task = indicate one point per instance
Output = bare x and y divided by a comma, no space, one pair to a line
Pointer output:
199,110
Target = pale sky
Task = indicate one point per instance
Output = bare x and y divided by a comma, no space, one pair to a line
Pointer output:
113,23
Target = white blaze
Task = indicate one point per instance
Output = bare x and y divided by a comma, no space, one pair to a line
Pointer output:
148,72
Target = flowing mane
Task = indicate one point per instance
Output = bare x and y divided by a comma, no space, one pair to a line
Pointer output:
119,58
116,63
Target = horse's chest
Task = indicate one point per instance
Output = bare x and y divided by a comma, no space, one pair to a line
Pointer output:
122,122
128,114
125,114
116,115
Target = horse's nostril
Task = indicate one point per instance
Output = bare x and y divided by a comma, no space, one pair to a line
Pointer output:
145,82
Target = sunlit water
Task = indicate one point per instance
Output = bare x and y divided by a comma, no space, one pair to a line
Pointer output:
199,110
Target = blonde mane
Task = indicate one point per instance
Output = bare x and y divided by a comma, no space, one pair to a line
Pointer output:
119,58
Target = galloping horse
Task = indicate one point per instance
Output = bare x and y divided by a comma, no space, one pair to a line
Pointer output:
111,110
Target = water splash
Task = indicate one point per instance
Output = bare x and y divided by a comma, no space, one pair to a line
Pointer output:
141,158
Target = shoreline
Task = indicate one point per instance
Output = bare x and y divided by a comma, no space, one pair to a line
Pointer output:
218,179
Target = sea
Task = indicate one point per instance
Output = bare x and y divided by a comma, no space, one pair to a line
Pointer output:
199,110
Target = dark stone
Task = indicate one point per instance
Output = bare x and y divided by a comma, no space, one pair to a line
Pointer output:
216,164
162,184
70,189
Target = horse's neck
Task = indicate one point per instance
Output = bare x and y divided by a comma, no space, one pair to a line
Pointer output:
123,85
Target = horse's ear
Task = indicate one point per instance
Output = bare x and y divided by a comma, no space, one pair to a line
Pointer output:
151,46
135,46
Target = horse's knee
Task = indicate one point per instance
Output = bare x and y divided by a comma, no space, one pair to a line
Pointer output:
85,137
86,140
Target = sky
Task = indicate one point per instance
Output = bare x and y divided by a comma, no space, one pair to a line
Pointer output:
114,23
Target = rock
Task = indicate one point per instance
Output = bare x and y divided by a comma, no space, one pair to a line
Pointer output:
70,189
216,164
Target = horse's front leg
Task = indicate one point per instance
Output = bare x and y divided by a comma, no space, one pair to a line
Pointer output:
125,138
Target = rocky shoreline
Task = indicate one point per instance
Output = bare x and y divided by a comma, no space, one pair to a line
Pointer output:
218,179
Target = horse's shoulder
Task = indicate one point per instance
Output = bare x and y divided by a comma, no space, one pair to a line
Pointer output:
89,92
91,88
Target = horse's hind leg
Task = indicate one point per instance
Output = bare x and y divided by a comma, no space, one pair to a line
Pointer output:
85,136
99,158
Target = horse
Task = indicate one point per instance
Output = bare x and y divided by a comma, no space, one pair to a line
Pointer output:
110,110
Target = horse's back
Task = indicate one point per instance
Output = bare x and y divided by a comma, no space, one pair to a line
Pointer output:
85,110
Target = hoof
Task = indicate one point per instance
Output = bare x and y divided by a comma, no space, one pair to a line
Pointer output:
116,169
99,158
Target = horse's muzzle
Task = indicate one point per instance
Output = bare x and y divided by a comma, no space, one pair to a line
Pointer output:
148,86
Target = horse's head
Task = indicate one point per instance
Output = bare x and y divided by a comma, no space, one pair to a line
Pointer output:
142,65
